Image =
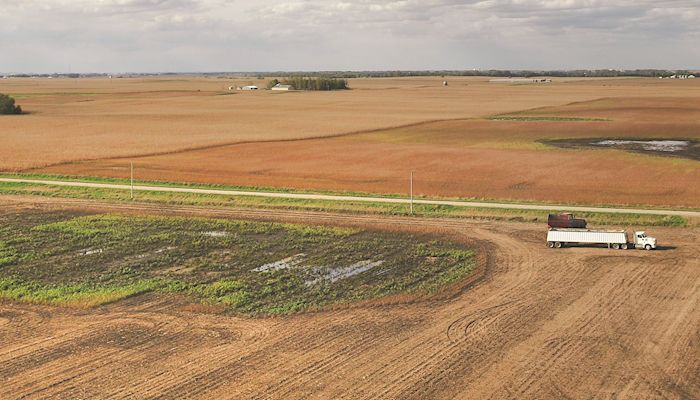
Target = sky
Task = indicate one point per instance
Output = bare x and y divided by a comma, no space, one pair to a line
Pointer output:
112,36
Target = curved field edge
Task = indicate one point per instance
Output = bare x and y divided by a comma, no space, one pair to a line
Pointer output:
246,267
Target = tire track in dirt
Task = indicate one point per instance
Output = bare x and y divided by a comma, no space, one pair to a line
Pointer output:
117,345
451,352
56,339
200,337
225,362
115,341
209,378
568,350
514,393
148,352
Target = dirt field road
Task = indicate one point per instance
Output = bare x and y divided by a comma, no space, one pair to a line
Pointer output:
540,323
311,196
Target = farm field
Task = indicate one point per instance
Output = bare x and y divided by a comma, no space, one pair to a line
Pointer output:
505,157
179,295
85,119
536,323
380,200
243,266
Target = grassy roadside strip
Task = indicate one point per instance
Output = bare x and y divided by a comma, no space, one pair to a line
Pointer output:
249,202
192,185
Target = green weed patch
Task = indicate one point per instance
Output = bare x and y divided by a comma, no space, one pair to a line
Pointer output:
86,260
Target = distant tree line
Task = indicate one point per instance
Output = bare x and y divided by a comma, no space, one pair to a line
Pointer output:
600,73
7,105
273,83
307,83
386,74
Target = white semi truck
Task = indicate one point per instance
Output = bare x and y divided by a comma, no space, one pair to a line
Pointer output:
558,237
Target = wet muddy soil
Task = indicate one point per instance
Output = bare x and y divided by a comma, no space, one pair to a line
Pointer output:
684,148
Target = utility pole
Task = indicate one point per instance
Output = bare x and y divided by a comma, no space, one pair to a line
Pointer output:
411,192
132,180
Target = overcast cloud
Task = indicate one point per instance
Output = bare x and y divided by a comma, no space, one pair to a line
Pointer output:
268,35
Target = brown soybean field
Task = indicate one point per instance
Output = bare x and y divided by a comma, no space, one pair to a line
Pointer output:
94,118
472,158
472,139
170,296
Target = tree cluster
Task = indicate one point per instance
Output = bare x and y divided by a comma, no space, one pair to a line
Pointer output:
273,83
489,73
317,83
7,105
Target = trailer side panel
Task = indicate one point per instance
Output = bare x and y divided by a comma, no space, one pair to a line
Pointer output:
586,236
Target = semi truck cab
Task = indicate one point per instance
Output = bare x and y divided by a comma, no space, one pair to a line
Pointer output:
642,241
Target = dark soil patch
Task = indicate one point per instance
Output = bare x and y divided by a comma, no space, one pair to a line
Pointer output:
685,148
254,267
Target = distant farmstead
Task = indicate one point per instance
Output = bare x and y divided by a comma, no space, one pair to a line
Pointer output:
682,76
521,80
251,87
280,86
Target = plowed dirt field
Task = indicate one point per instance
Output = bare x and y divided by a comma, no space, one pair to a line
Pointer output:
536,323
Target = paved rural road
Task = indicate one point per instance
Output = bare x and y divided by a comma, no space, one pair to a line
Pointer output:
311,196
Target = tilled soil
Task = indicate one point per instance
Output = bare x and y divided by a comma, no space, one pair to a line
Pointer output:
536,323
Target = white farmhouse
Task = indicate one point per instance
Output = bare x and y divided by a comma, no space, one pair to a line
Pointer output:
280,86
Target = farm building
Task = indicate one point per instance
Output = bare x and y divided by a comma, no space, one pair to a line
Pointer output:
251,87
280,86
520,80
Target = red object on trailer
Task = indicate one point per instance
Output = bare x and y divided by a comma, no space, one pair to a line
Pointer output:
565,220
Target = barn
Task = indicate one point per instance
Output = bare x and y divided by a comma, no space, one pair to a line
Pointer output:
280,86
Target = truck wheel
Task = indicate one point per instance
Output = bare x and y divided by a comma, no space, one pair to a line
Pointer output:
550,244
624,246
557,245
616,246
647,247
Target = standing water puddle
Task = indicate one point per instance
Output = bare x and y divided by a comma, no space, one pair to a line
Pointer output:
284,263
649,145
665,147
90,252
326,274
335,274
215,233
